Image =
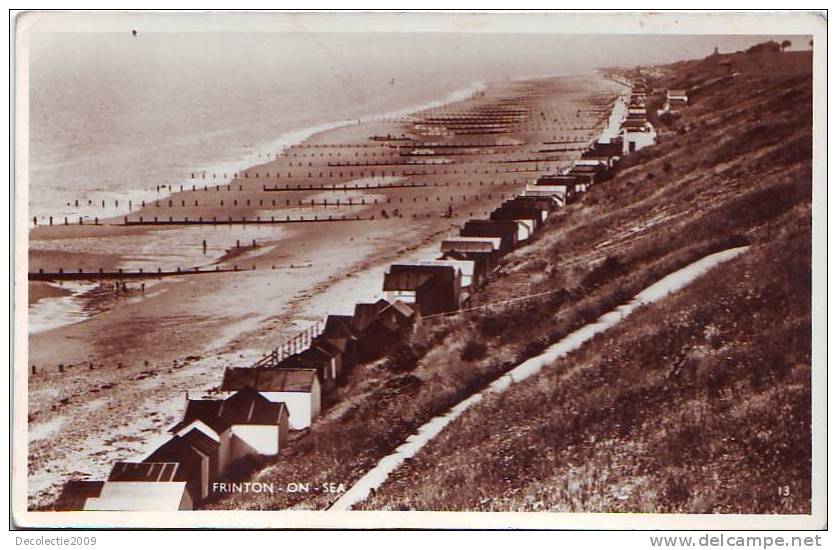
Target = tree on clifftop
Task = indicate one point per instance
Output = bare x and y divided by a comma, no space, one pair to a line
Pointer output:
786,44
771,46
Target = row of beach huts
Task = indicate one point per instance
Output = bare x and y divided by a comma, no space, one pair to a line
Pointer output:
255,408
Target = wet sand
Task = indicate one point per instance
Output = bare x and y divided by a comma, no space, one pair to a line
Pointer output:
127,366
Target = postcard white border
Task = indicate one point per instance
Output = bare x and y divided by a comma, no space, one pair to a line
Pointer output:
788,23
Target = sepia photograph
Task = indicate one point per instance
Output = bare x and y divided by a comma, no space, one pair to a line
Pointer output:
356,269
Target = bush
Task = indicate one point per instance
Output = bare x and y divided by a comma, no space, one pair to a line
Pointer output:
676,491
403,359
533,348
770,46
611,267
473,351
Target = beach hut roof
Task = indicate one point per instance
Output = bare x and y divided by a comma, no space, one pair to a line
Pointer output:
335,342
330,347
365,314
202,442
176,449
402,309
470,244
144,471
466,267
629,123
406,280
268,379
246,406
138,496
340,326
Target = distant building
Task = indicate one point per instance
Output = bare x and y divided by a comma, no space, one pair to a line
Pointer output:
675,99
636,135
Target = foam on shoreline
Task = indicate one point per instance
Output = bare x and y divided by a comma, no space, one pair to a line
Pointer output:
263,154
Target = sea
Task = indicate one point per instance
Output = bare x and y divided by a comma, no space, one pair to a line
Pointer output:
113,116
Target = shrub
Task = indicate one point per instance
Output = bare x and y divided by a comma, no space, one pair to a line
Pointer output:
611,267
473,351
762,47
403,359
676,492
533,348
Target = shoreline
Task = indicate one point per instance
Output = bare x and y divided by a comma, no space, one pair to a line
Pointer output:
272,149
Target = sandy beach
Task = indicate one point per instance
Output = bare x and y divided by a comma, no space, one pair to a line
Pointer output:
105,384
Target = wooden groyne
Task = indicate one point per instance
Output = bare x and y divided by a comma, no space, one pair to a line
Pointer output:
244,221
356,187
120,274
81,275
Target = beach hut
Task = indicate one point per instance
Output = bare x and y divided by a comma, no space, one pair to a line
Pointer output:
471,244
194,465
590,174
231,426
404,315
146,486
594,156
298,389
431,289
675,100
318,357
76,492
611,146
636,135
465,267
483,251
379,327
340,332
505,229
520,211
544,203
564,187
532,209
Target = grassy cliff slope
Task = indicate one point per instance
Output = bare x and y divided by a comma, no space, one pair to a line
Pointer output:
699,403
